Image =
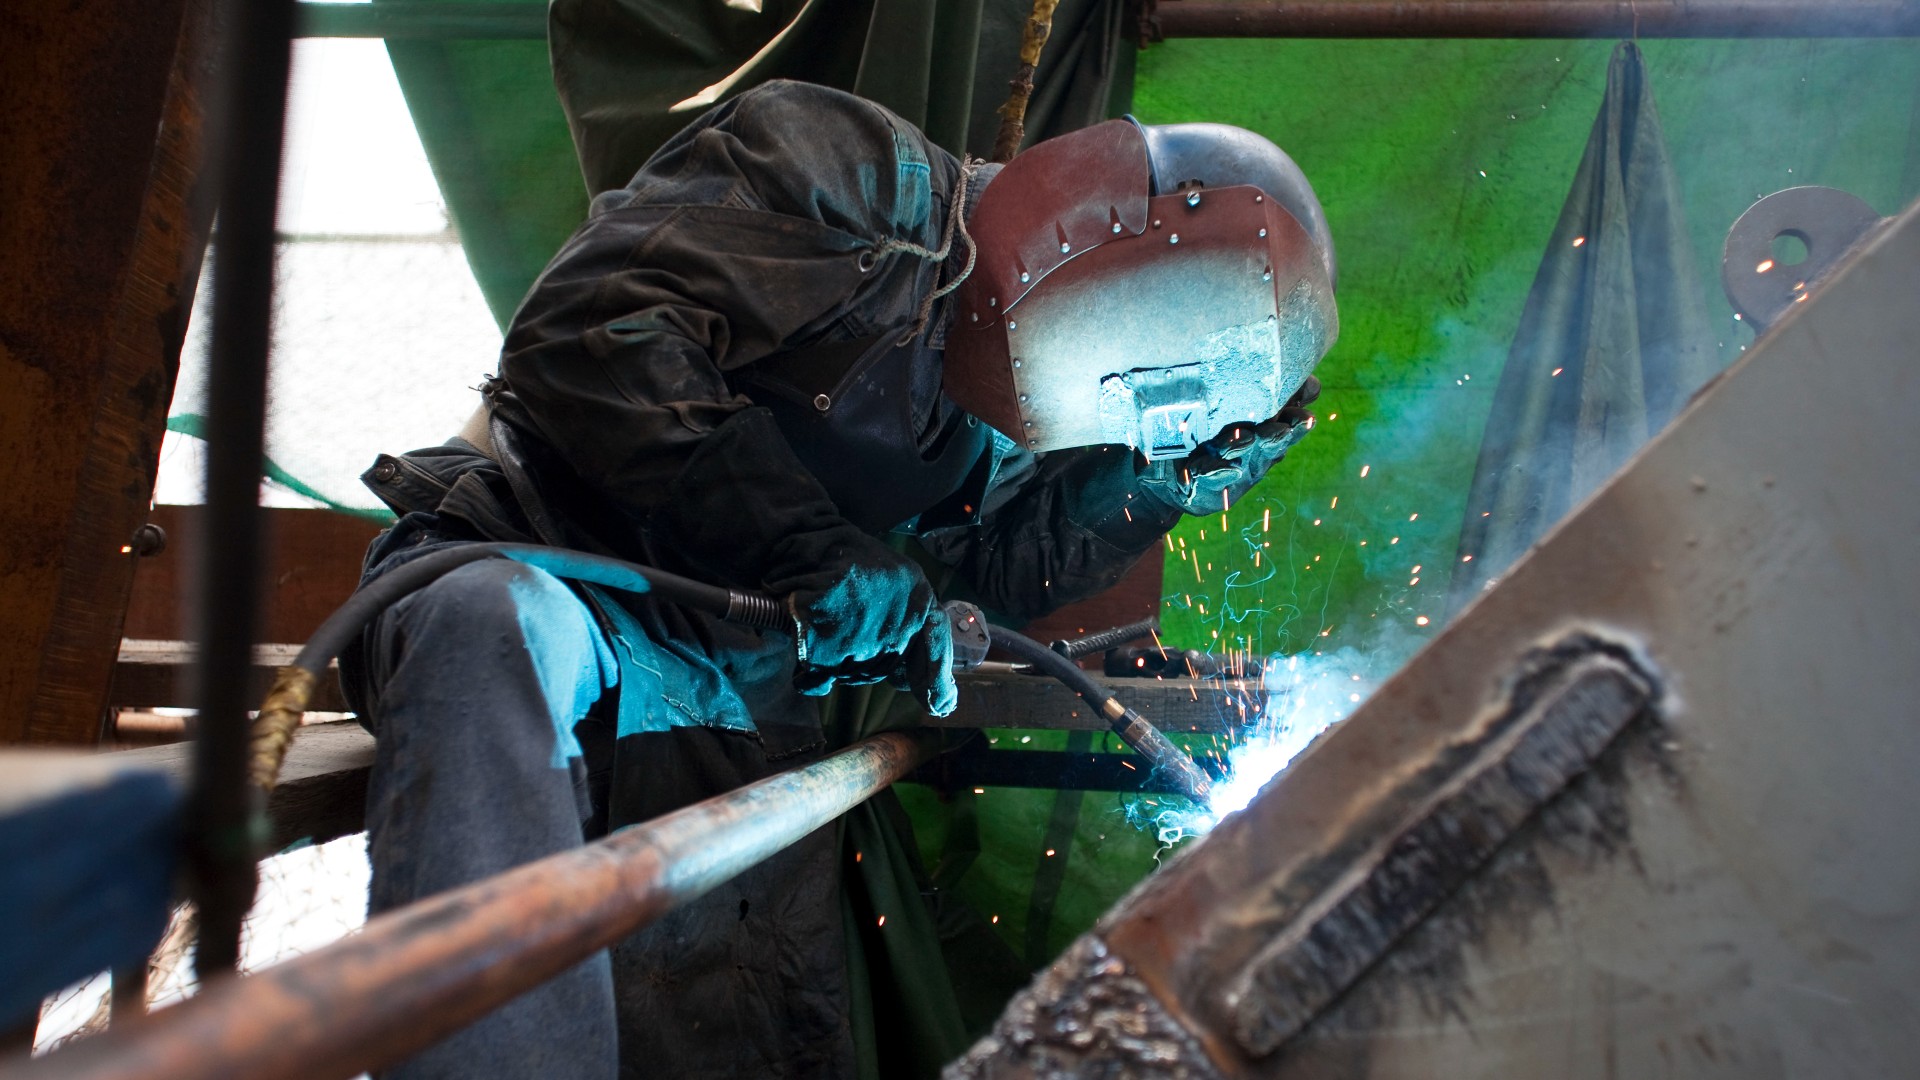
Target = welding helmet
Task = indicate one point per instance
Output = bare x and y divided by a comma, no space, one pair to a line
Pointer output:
1141,285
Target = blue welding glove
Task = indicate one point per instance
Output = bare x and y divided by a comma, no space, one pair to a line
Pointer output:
865,614
1224,467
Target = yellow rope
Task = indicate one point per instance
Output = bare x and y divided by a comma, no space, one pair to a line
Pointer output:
280,716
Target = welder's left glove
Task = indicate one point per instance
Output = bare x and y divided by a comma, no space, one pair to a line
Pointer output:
1224,467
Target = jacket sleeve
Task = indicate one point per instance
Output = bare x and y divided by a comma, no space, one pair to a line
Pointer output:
712,259
1070,530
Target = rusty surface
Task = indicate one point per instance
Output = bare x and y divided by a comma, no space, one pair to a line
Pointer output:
417,974
1536,18
1732,891
313,565
100,115
1086,1015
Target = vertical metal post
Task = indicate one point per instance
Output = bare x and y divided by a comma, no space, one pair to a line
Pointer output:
255,55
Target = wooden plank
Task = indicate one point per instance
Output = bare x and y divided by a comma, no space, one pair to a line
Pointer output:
155,674
100,114
323,784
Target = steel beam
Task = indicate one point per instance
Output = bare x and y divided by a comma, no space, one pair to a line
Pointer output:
1381,19
1643,809
413,19
100,241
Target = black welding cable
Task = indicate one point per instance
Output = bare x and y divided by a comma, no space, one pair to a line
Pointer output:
286,702
1146,739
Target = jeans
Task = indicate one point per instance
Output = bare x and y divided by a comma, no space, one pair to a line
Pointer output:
479,689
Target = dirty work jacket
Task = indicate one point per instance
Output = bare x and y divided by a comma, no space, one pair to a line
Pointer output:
781,246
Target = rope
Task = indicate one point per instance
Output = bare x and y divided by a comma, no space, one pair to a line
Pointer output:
956,225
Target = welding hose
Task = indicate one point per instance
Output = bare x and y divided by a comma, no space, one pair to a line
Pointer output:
1132,728
286,703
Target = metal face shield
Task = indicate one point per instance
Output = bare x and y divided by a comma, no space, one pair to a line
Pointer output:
1171,318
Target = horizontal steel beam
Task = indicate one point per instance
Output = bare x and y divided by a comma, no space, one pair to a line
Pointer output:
1536,18
417,975
403,19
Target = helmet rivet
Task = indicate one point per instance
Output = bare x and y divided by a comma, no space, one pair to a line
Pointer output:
1016,363
1267,274
1116,226
1174,239
1193,198
993,301
1011,325
1263,232
1033,442
1028,423
1259,198
1065,247
974,316
1023,398
822,402
1156,223
1024,277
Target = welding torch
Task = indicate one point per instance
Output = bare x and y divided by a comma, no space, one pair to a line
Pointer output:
280,714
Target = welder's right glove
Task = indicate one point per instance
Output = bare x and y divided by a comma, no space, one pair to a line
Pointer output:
1226,466
865,613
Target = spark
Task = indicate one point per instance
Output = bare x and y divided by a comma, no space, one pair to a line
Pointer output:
1266,519
1412,583
996,918
1466,558
1765,265
1049,853
1579,240
983,791
856,856
1127,512
1416,569
1331,417
1316,521
1169,540
1026,738
1335,504
1413,517
883,920
1421,621
1353,697
1556,373
126,549
1364,470
1395,540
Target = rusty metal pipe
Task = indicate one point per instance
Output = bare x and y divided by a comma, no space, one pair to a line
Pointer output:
418,974
1537,18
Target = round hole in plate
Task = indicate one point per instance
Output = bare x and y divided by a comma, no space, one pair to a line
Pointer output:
1790,247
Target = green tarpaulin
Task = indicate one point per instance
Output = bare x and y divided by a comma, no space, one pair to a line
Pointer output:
1444,167
1613,338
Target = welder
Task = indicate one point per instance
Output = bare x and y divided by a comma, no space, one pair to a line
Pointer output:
802,332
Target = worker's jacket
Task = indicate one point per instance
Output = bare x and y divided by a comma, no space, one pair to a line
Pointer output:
733,349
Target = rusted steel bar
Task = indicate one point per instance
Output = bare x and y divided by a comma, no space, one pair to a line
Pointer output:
416,975
1536,18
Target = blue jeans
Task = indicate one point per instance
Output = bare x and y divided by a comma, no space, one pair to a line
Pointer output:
479,689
